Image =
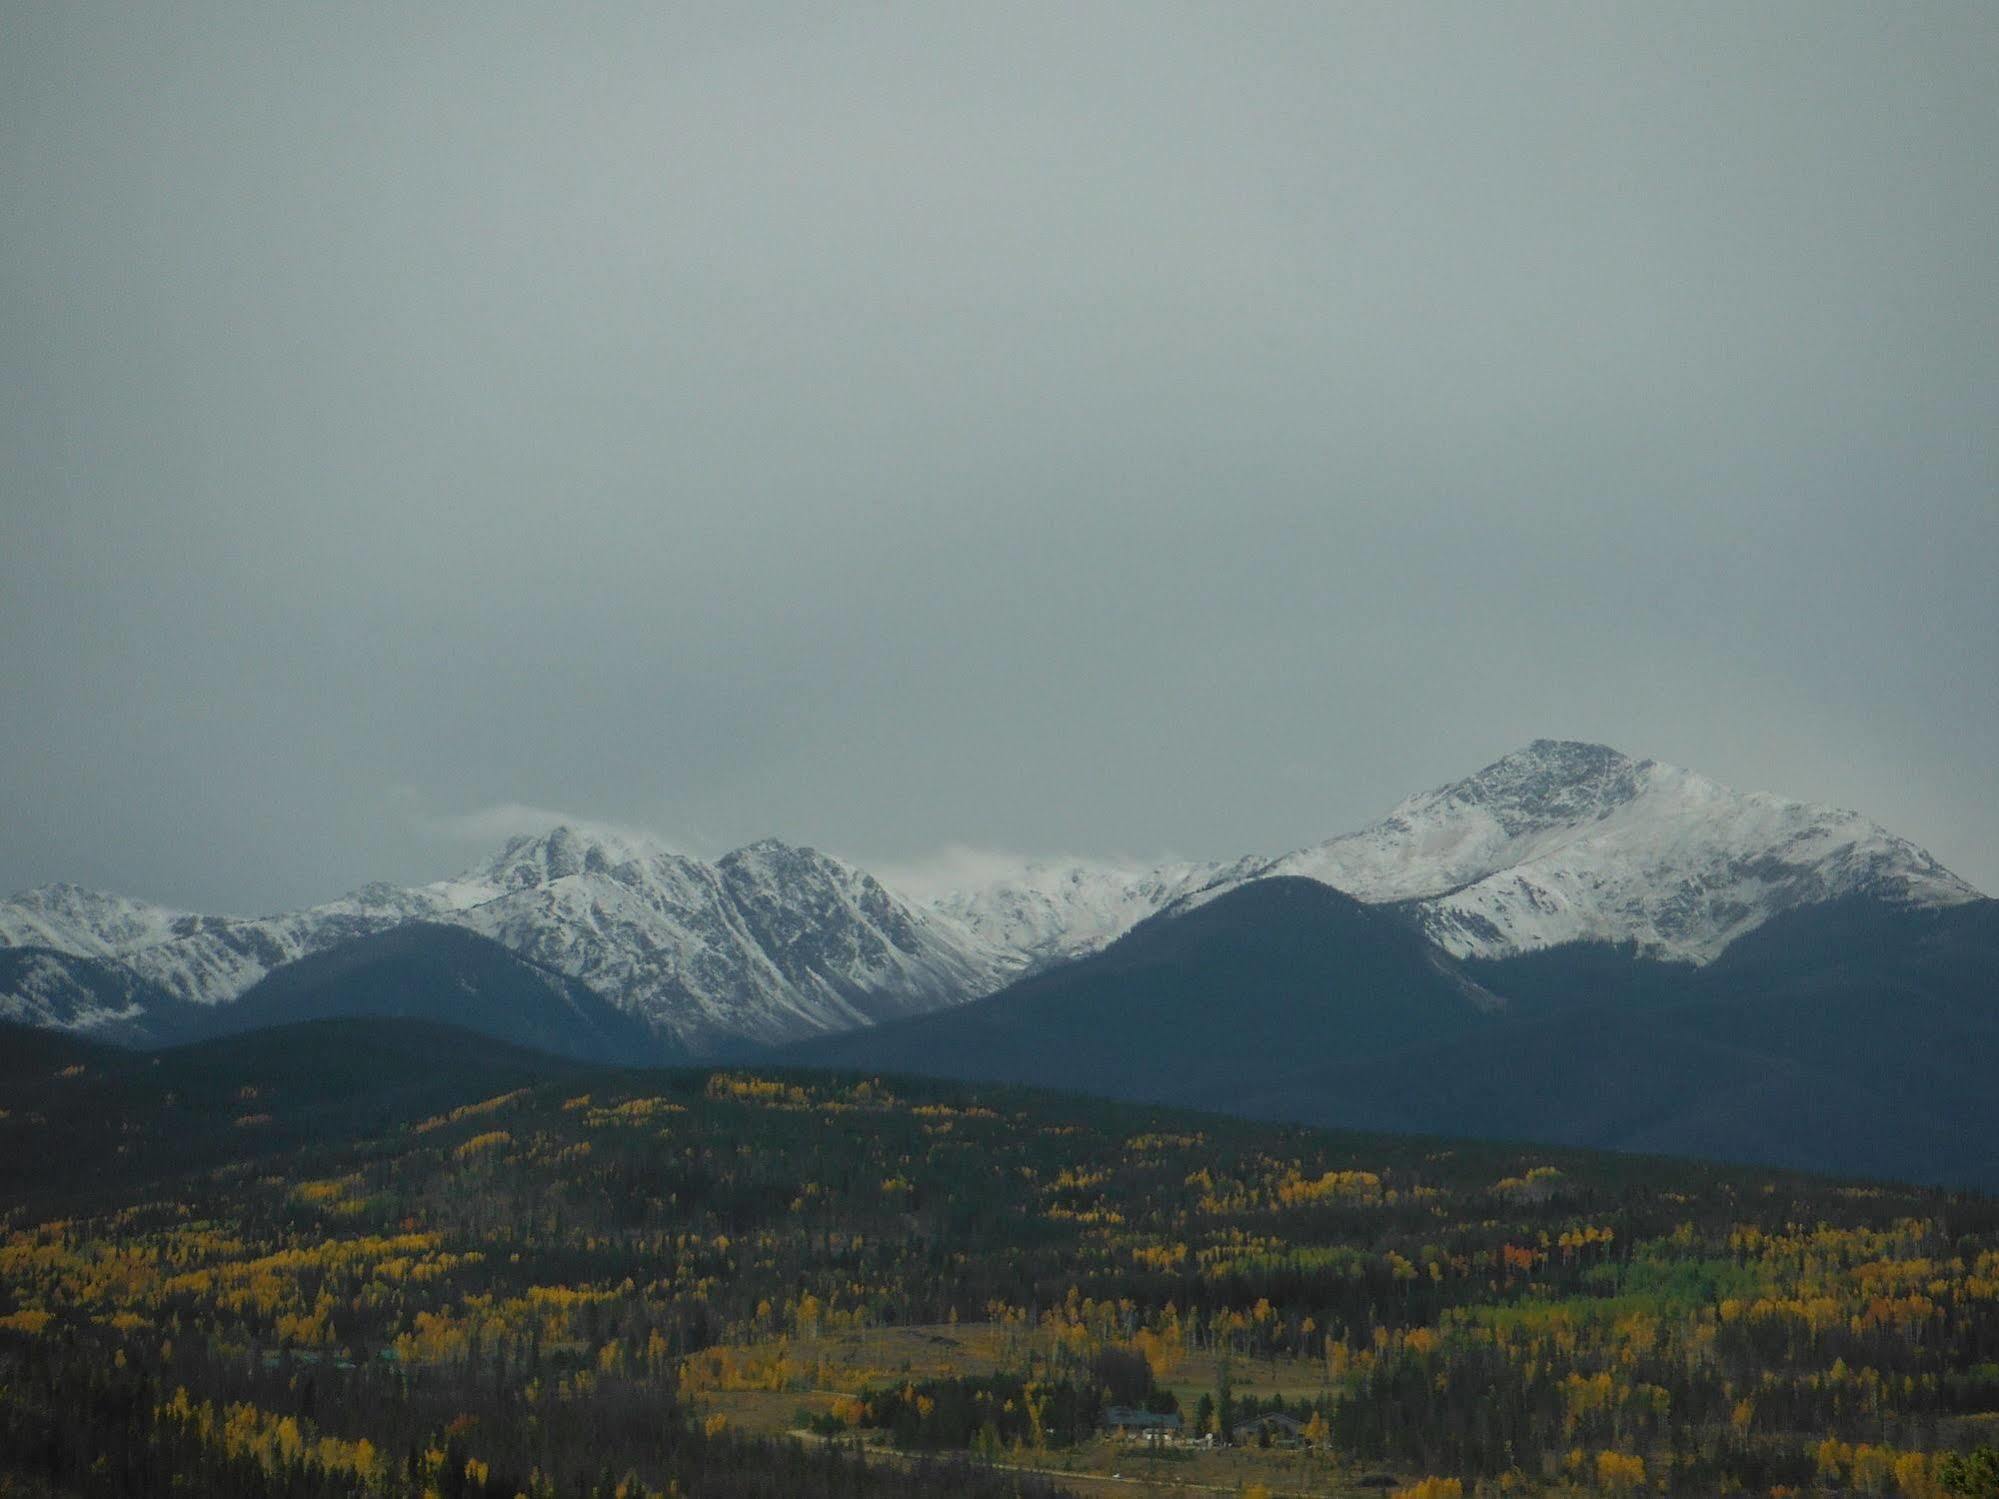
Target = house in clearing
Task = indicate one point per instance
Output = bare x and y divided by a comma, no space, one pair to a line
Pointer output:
1251,1430
1127,1423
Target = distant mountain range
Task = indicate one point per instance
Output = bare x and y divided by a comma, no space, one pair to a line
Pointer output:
766,944
1558,844
1569,946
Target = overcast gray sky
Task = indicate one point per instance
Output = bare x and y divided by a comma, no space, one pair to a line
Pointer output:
1107,429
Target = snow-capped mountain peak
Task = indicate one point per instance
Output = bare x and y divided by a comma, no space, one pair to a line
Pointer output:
766,943
1564,842
90,923
530,861
1550,781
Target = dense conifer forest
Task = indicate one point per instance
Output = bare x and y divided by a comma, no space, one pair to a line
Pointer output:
501,1276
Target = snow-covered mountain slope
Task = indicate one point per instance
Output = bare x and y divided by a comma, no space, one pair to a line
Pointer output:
1043,911
89,923
197,959
1564,842
88,996
769,943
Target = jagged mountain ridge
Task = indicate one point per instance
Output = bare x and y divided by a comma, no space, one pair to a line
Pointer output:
197,959
1557,843
768,943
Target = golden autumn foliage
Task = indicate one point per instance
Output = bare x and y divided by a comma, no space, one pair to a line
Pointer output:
471,1111
490,1140
1354,1186
242,1430
730,1234
1619,1472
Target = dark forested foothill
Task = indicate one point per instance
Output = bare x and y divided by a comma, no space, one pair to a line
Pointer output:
1853,1037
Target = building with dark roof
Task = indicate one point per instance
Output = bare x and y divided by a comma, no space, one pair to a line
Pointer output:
1128,1422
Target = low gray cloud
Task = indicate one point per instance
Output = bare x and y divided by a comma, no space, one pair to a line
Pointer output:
1107,428
486,828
